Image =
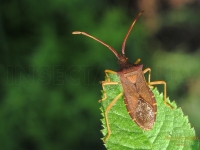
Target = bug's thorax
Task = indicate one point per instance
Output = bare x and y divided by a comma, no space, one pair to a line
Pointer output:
126,66
130,76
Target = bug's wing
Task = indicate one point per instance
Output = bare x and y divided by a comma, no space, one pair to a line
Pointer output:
145,113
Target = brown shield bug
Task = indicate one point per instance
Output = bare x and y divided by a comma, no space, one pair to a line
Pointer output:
138,97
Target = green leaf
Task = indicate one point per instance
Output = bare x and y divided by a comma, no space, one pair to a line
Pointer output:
171,129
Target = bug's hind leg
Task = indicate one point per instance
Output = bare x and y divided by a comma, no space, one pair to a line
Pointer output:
106,115
105,83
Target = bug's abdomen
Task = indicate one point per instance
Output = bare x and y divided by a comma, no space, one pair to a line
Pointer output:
143,114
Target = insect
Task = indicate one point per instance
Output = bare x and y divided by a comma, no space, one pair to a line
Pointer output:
138,97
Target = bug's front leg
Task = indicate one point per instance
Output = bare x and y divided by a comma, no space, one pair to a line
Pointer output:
137,61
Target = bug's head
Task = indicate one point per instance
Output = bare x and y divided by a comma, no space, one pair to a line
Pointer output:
123,61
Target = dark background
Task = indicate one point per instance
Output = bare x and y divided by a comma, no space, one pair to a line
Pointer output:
49,78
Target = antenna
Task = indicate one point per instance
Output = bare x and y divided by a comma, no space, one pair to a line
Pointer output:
109,47
124,42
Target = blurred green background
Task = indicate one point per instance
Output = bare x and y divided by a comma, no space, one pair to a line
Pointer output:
49,85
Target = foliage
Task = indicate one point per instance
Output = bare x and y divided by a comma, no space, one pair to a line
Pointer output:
171,129
50,78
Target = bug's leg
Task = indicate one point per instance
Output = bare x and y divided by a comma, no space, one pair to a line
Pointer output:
137,61
149,75
106,115
104,83
109,71
156,83
165,91
108,82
